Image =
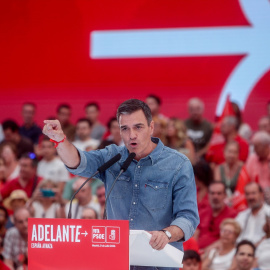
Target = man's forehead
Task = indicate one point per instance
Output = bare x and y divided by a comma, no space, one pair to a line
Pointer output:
134,118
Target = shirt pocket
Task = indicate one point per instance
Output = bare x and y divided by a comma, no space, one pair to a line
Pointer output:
121,187
156,195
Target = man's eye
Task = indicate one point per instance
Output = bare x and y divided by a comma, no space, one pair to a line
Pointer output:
123,129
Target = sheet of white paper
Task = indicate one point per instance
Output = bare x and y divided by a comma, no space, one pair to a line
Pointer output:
142,254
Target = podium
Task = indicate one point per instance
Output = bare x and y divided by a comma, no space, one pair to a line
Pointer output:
56,244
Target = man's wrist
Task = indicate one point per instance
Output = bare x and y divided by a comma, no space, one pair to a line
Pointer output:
168,234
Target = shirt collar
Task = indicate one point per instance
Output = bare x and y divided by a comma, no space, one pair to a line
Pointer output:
153,156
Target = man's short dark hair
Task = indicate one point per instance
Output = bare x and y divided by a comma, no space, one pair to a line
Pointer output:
92,104
63,105
216,183
133,105
81,120
31,156
245,242
112,119
191,254
203,172
156,98
10,124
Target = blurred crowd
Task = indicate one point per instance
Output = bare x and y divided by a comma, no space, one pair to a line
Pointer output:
231,165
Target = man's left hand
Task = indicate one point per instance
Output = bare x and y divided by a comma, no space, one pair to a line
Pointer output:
158,240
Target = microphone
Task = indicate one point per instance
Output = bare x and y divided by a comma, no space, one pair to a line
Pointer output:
124,167
101,169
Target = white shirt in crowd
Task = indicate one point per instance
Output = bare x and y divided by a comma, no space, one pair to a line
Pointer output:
76,211
221,262
252,226
263,254
54,170
83,145
51,212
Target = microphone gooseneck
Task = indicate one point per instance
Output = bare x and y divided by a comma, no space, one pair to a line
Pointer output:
124,167
101,169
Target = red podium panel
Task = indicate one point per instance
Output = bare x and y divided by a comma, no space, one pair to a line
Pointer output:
78,244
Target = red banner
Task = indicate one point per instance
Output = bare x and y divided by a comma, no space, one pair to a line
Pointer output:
55,244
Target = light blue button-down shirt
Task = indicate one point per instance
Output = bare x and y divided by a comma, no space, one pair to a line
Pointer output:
154,193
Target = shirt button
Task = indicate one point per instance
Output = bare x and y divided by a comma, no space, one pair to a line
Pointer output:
134,203
156,186
139,167
136,185
131,219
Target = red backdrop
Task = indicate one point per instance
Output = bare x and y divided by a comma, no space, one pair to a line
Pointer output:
45,57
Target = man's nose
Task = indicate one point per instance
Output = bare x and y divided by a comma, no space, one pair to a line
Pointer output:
132,134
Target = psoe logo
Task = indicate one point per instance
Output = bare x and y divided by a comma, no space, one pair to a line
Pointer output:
106,234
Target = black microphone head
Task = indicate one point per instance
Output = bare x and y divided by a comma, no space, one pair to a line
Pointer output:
109,163
127,162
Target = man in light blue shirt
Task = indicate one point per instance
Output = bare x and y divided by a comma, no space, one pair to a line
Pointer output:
157,193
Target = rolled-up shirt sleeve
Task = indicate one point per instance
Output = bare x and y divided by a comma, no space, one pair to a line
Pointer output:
185,209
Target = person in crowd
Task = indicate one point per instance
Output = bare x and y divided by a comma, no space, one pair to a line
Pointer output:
210,220
27,179
252,219
92,111
114,137
11,131
220,258
244,258
51,166
228,129
84,198
15,243
264,124
17,199
191,260
199,130
158,186
203,177
177,138
83,131
46,201
244,130
8,152
154,103
2,136
258,163
3,174
29,128
3,229
262,251
234,175
63,115
100,193
160,127
89,213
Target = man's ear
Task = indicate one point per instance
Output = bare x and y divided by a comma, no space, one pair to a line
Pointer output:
152,127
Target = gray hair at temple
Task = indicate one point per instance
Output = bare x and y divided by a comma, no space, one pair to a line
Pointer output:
261,137
133,105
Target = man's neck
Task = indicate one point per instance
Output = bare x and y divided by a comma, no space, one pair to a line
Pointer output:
216,212
24,181
231,136
256,210
48,159
28,125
